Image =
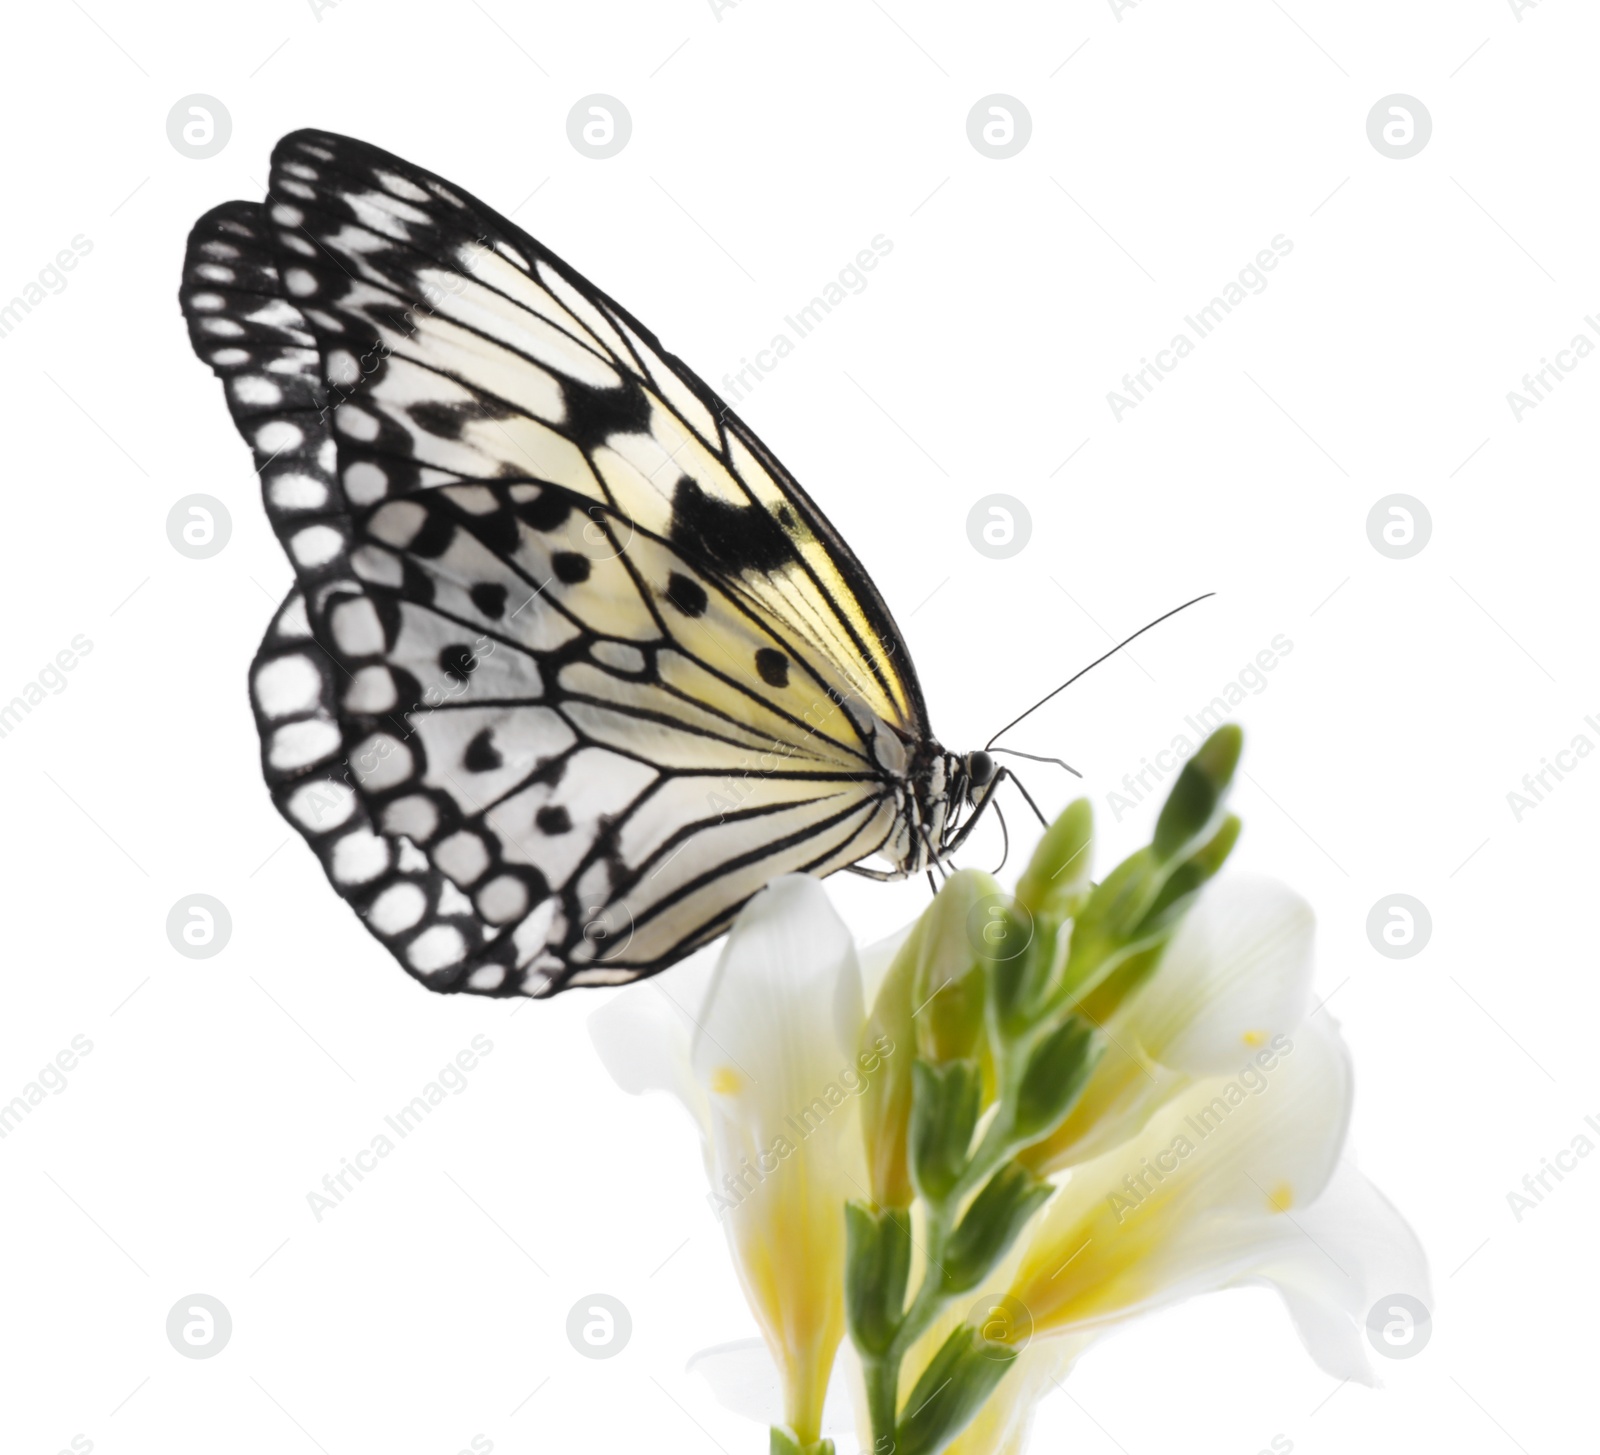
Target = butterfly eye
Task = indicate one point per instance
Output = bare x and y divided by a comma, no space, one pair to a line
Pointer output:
980,769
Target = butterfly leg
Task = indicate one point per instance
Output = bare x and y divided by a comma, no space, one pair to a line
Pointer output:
1006,773
880,876
1005,835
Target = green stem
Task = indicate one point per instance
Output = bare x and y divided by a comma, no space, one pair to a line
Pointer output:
882,1374
883,1394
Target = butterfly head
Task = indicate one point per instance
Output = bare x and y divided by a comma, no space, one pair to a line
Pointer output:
978,774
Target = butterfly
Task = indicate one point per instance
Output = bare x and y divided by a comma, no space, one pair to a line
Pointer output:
572,666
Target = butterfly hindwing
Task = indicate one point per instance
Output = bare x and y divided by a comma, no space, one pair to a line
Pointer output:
548,712
429,925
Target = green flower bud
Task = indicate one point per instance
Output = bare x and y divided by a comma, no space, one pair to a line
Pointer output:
1058,872
877,1263
1021,962
944,1111
1198,793
1055,1074
958,1379
990,1225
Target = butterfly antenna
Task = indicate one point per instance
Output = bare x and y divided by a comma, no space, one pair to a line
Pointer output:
1092,665
1017,753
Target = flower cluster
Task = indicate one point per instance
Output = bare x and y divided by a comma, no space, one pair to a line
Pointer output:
1028,1119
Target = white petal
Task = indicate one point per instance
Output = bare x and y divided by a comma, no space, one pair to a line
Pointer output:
644,1033
744,1380
776,1055
877,958
784,1009
1209,1187
1354,1250
1237,973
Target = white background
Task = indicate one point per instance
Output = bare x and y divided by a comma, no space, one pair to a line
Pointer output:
770,144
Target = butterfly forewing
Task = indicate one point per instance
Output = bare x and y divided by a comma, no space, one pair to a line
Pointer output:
457,346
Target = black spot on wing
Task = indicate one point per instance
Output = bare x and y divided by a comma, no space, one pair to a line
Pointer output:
773,667
734,537
594,415
553,819
688,596
482,756
457,662
446,421
570,567
490,598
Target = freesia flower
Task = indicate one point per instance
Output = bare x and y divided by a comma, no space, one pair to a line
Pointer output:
1216,1125
1121,1101
764,1055
1232,1171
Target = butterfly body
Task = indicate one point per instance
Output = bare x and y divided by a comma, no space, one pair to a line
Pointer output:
571,667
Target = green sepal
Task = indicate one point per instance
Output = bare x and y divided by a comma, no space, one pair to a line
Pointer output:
1056,1071
944,1111
990,1225
1020,984
877,1264
1132,969
958,1379
1058,872
783,1442
1131,965
1198,793
1185,881
1104,924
